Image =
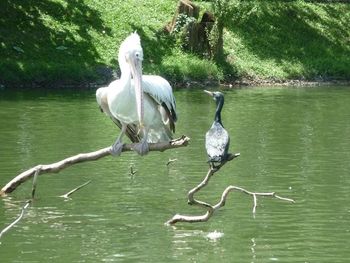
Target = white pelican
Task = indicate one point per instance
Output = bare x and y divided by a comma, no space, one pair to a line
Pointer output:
217,139
142,106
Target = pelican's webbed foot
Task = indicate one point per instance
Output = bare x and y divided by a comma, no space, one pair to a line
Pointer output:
142,148
117,148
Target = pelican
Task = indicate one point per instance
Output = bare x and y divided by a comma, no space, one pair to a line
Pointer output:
142,106
217,139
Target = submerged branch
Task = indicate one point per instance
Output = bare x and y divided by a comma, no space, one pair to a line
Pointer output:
35,180
66,195
211,209
84,157
16,221
171,161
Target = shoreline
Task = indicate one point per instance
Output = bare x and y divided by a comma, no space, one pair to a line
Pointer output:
189,84
241,83
289,83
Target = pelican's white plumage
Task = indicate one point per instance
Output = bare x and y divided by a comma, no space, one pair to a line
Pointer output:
143,106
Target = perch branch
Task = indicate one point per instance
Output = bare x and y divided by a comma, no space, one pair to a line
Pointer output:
84,157
212,208
210,173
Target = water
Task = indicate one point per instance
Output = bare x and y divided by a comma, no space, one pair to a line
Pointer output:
295,141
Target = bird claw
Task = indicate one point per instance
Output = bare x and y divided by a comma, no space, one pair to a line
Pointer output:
117,148
141,148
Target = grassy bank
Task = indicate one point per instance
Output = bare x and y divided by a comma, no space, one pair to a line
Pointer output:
294,40
75,42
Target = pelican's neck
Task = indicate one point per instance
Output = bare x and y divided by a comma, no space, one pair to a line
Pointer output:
219,105
125,70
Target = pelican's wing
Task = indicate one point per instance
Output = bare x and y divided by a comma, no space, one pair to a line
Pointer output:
131,129
101,98
160,90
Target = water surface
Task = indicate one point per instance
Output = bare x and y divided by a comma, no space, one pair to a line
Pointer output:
295,141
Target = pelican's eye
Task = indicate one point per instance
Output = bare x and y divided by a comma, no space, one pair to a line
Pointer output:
138,55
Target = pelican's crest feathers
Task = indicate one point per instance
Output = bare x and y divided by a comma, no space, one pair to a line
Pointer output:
132,41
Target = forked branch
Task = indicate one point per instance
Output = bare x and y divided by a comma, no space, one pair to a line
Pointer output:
212,208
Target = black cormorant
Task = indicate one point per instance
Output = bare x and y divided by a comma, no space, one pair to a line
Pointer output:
217,139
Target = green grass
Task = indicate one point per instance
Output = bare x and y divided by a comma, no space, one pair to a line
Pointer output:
70,41
290,40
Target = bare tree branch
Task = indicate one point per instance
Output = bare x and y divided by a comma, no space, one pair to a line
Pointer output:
17,220
66,195
84,157
205,181
212,208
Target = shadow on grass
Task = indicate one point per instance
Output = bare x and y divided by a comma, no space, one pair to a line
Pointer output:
31,35
295,33
163,56
155,48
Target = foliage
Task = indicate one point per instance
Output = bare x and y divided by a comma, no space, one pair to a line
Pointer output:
223,9
180,30
182,20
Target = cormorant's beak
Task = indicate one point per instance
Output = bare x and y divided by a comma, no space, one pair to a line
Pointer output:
209,92
136,70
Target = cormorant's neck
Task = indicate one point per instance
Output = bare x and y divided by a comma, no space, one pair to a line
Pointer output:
219,105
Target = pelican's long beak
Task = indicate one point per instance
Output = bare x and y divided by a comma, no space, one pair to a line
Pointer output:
209,92
136,70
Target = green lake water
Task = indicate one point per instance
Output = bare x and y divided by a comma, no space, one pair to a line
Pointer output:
293,141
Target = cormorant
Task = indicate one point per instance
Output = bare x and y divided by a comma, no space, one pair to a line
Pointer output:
217,139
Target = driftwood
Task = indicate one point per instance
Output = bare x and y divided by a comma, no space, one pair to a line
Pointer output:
82,157
211,209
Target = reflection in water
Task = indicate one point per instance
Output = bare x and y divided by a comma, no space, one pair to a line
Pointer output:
214,236
185,240
253,250
182,241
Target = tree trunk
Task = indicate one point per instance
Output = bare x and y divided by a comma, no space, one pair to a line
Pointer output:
194,34
218,42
